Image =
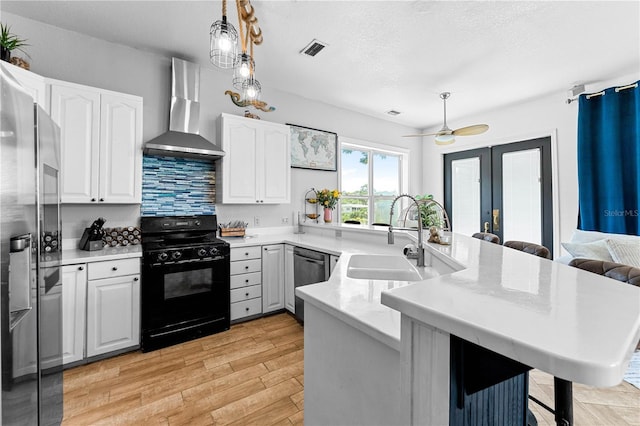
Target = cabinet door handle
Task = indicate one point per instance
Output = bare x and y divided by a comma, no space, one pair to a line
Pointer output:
80,268
115,268
136,279
101,199
93,199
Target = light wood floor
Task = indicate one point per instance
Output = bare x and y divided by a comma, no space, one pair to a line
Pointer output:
253,374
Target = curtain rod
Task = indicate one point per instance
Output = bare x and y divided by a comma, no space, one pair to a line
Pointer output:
593,95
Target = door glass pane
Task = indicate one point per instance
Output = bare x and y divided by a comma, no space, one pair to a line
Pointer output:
386,172
521,196
465,196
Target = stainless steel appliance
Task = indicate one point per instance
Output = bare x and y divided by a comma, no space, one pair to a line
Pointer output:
309,267
185,280
183,138
30,281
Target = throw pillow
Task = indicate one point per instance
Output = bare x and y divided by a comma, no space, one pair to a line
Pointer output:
594,250
625,252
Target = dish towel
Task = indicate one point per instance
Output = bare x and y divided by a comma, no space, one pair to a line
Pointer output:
633,371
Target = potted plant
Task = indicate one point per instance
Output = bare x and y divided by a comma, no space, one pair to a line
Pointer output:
430,212
9,42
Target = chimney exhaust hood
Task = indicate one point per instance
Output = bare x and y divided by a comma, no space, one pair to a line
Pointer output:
183,138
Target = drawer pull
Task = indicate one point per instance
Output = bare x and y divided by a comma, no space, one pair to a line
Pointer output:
246,267
115,268
80,268
246,294
246,309
246,254
246,281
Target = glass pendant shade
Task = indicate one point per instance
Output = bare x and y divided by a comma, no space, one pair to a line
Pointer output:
243,70
223,44
251,89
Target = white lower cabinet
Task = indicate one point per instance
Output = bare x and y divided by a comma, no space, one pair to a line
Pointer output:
113,306
246,282
289,288
272,278
74,303
100,308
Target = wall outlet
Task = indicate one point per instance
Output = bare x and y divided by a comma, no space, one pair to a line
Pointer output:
256,220
285,220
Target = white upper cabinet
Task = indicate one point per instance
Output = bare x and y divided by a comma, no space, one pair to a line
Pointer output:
101,144
256,167
33,83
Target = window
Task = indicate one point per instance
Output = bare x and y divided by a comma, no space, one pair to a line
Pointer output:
370,178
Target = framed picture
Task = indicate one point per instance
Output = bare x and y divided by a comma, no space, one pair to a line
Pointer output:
313,148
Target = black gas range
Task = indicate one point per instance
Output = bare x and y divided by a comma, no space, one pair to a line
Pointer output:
185,280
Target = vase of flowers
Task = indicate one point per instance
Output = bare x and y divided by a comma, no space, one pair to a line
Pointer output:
328,199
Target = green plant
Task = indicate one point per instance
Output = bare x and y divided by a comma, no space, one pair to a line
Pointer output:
430,213
9,41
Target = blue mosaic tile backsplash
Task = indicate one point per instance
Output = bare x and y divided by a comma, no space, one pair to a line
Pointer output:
173,186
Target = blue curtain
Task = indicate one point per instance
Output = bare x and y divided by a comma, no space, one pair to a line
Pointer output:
609,161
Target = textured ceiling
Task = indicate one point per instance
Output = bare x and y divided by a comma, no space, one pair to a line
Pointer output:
384,55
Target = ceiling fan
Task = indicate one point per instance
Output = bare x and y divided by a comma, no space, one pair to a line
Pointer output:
446,136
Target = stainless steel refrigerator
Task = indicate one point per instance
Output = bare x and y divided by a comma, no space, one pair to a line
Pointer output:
30,277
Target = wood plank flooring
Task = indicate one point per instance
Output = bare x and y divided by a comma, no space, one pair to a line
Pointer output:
253,375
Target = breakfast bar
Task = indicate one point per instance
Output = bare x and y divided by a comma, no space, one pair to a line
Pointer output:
513,310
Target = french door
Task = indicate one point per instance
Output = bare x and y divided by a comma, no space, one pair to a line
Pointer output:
505,190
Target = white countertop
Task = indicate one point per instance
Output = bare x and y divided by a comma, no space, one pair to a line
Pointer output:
355,301
73,256
568,322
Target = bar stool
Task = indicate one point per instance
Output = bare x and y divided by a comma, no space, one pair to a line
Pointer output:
531,248
487,236
562,389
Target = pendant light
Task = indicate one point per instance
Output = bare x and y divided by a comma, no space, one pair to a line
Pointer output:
223,39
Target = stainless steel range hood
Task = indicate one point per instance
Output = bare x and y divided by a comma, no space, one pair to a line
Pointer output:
183,138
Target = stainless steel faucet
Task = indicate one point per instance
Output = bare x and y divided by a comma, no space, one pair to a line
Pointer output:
420,256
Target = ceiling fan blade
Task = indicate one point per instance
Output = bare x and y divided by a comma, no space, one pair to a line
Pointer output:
476,129
421,134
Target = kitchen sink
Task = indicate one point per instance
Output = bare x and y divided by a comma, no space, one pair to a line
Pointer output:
382,267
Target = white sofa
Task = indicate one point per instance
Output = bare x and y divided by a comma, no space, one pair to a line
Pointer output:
617,248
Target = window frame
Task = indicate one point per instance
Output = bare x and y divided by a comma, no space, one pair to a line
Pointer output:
373,148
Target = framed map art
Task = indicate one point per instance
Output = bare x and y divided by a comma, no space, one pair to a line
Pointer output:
313,148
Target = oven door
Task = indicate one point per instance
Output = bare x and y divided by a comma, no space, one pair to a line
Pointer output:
181,301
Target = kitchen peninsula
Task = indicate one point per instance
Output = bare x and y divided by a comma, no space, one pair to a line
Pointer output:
378,351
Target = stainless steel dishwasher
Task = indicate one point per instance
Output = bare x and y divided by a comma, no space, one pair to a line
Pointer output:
309,267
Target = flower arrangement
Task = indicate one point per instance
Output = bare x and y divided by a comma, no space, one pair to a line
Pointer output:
328,198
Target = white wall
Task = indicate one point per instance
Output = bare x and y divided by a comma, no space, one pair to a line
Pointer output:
547,115
73,57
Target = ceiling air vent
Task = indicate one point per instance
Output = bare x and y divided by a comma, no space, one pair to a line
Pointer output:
393,112
313,48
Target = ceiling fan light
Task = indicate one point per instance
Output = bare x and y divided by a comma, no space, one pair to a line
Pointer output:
223,43
447,139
